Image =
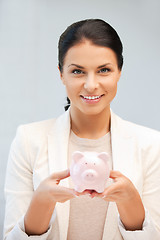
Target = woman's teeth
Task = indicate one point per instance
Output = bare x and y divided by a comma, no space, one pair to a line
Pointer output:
93,97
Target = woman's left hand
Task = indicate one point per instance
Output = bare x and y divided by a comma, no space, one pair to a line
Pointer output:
127,199
121,190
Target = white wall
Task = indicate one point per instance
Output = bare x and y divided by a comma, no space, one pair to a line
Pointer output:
30,88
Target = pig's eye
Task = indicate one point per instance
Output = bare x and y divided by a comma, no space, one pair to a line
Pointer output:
86,163
94,164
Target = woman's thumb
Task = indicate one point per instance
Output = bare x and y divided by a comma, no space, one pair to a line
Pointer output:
61,175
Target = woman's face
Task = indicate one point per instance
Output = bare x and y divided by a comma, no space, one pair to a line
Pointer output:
90,75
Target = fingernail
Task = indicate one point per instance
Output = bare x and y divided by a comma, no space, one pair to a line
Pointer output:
87,194
76,196
104,196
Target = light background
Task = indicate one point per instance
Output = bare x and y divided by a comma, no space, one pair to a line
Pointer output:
30,87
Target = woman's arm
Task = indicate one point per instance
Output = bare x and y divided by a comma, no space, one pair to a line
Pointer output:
43,202
128,201
132,213
24,207
135,222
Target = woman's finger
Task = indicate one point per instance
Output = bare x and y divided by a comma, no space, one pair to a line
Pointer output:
112,189
60,175
109,199
62,193
115,174
85,192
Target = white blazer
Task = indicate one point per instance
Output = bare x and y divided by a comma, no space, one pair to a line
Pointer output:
41,148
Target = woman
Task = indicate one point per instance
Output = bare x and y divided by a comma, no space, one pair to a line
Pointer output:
37,185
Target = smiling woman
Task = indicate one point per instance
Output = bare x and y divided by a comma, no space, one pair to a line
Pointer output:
41,200
90,75
97,75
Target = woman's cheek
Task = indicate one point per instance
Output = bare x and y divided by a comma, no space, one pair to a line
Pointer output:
111,86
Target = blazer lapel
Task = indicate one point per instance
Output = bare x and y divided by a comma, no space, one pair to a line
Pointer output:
110,227
123,152
124,147
57,157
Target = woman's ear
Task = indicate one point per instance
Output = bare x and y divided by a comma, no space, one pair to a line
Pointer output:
120,71
61,75
59,71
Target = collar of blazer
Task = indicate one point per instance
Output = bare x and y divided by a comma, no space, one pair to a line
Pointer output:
123,154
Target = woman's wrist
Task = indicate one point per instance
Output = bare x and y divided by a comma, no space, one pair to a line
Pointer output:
132,213
39,213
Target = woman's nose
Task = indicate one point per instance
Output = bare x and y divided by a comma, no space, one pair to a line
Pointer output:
91,83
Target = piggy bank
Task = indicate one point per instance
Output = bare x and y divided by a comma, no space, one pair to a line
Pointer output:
89,170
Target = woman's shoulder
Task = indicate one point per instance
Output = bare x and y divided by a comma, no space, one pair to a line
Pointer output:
140,130
143,134
38,128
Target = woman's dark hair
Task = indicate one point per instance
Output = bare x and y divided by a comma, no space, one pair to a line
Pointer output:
97,31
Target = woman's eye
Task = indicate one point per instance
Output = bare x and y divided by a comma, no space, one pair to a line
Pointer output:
104,70
77,71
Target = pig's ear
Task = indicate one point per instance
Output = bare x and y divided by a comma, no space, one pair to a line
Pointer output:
104,156
76,156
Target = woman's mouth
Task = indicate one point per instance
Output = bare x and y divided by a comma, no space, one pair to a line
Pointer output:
91,98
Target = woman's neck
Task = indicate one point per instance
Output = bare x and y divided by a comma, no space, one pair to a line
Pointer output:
90,126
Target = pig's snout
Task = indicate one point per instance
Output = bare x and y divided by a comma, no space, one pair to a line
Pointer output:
89,175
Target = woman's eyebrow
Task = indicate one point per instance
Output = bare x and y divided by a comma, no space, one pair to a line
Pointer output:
76,65
104,65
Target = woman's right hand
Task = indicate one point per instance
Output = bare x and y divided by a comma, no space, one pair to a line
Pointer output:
50,190
43,202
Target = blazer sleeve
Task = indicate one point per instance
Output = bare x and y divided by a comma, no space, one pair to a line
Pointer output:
150,193
18,189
